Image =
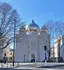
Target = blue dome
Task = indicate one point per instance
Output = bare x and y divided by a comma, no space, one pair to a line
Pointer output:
33,25
44,28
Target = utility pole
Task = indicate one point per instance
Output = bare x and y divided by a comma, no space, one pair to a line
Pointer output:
49,53
14,42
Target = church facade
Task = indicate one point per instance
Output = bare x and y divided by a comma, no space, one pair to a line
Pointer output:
31,42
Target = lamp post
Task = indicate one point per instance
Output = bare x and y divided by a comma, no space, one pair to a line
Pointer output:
59,50
45,48
14,42
24,58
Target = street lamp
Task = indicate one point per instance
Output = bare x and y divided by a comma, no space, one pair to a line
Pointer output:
45,48
59,50
24,57
14,42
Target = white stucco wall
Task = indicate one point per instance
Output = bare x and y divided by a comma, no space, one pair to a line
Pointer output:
26,45
56,49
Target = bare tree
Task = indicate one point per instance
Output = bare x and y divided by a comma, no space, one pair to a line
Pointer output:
55,29
59,28
49,25
7,17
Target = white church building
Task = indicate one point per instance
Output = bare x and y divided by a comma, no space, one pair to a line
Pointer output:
59,48
30,43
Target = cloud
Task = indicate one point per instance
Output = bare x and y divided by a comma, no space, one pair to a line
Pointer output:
48,14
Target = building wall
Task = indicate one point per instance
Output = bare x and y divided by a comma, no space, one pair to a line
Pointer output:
62,47
26,45
56,50
6,50
62,52
2,44
9,53
59,47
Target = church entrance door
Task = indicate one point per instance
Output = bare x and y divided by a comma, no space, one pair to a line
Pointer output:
32,57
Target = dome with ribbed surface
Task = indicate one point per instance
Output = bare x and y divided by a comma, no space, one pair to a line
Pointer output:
44,28
33,25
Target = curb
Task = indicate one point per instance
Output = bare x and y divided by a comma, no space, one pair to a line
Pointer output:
52,66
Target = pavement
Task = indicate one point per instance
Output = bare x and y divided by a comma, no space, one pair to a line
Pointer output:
40,66
51,65
30,66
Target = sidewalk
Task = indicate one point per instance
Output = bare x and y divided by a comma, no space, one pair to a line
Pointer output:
32,65
40,65
51,65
